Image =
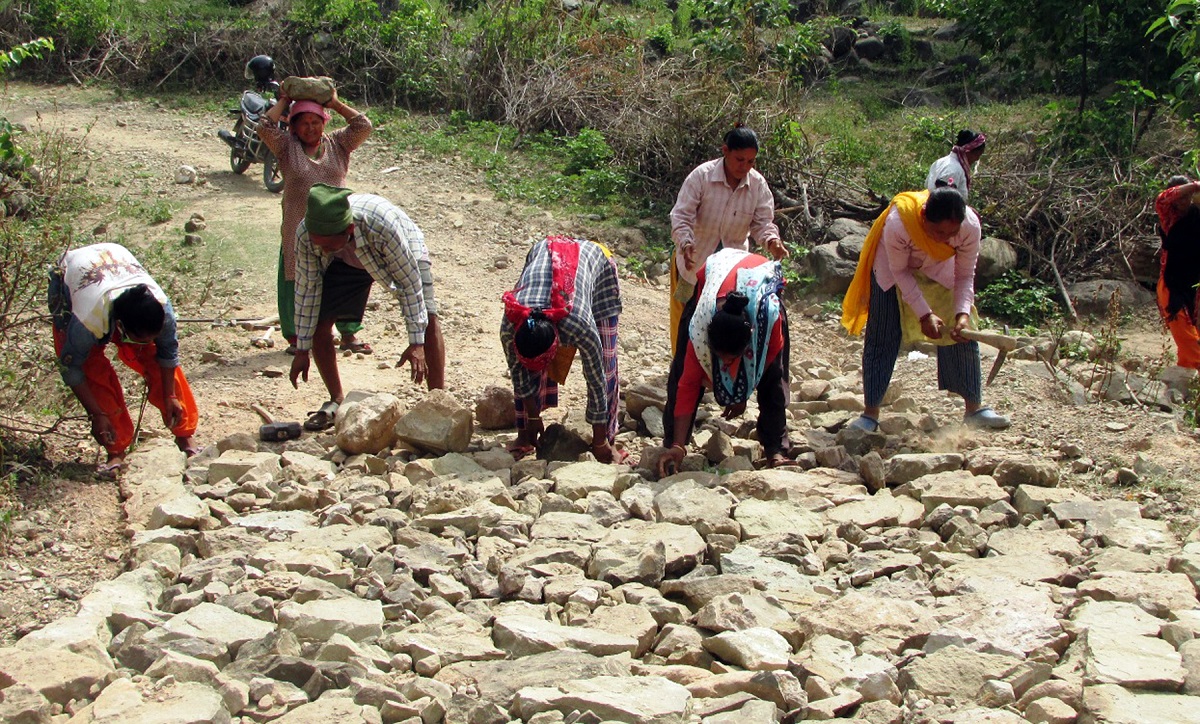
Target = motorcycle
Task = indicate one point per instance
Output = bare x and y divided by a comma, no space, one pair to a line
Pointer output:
245,147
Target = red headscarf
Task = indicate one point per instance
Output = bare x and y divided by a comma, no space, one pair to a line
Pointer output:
564,260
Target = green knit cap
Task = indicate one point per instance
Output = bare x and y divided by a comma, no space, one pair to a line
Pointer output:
328,211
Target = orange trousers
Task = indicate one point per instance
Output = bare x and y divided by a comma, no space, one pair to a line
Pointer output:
1187,338
101,379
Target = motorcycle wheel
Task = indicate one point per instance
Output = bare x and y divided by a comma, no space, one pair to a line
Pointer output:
272,178
238,160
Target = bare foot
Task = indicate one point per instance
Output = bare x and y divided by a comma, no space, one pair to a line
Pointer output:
188,447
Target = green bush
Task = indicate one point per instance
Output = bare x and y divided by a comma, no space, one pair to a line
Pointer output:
74,22
1018,299
587,150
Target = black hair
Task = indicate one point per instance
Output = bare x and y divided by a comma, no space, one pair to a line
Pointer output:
139,312
740,137
729,331
945,204
965,136
535,335
1177,181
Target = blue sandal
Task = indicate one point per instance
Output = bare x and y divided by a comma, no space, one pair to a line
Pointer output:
864,423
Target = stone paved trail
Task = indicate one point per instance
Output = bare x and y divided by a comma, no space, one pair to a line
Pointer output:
349,578
406,569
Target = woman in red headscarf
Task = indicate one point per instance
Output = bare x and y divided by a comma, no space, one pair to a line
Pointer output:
568,298
954,169
307,155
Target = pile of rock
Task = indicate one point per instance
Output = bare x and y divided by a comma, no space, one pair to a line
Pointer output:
307,583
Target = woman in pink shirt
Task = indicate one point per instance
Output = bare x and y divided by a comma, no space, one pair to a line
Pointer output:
931,234
722,204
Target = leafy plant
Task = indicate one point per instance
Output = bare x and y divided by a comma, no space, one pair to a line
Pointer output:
586,151
1018,298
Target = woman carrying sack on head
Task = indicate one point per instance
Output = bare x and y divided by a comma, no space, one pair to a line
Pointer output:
307,155
1179,229
568,297
737,343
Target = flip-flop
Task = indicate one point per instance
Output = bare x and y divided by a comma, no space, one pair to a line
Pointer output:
109,470
322,419
357,347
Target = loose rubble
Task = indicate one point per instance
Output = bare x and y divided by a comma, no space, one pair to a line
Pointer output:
351,577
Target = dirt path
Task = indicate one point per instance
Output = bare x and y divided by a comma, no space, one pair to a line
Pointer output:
478,244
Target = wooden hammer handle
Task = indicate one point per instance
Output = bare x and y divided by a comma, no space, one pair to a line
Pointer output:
992,339
262,412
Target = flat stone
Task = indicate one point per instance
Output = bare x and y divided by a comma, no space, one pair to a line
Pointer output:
577,480
856,616
1023,541
689,503
880,509
1112,704
1158,593
778,687
741,611
645,552
1143,536
776,517
331,709
498,681
956,672
124,702
784,484
958,488
835,661
525,635
567,526
982,573
906,467
220,625
59,676
755,649
1136,662
773,573
1009,620
342,538
635,700
1034,500
1116,617
288,521
355,618
233,464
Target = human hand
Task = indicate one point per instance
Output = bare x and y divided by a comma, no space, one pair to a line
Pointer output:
689,257
932,326
415,353
734,410
670,460
333,97
172,412
777,249
961,322
299,368
102,430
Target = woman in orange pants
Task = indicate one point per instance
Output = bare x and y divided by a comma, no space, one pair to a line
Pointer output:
1179,227
100,294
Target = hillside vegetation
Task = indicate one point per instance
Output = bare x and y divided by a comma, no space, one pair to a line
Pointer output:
615,102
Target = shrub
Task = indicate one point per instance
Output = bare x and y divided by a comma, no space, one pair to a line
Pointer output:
587,150
1019,299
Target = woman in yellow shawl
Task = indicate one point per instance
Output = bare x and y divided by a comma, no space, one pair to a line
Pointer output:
926,238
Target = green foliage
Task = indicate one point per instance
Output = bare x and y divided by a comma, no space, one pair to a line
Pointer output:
661,39
587,150
1019,299
73,22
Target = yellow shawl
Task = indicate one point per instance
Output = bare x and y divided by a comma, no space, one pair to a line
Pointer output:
858,296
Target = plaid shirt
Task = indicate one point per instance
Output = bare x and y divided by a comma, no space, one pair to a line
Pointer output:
597,298
388,245
708,213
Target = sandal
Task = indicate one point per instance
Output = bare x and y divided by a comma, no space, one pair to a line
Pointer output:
356,347
109,470
322,419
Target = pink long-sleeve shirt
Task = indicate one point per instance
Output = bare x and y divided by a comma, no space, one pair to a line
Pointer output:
898,258
709,212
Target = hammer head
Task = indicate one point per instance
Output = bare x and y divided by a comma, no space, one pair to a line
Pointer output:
277,431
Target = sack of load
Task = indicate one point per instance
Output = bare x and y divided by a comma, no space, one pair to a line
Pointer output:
314,88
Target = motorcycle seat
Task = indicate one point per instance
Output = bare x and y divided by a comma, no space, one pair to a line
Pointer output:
253,104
